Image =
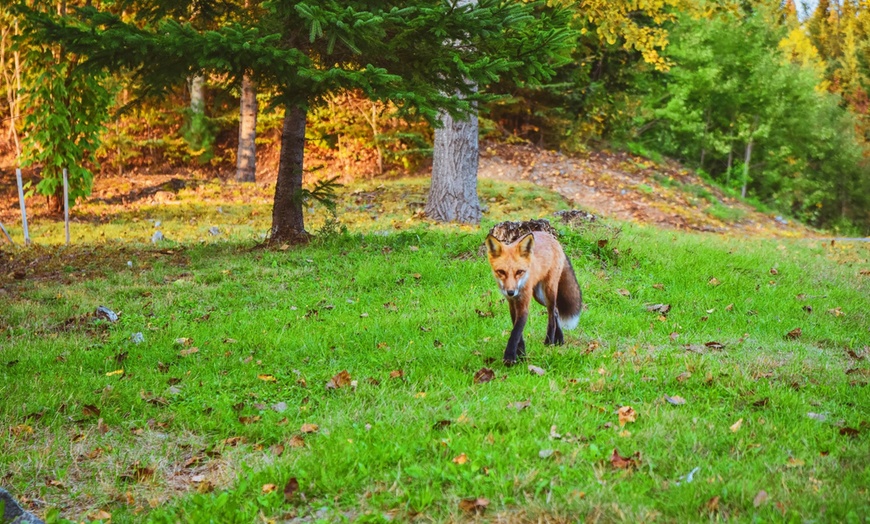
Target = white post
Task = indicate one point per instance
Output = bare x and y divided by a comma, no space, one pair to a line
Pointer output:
23,207
3,229
66,204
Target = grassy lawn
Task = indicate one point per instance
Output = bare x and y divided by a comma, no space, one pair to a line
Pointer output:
336,382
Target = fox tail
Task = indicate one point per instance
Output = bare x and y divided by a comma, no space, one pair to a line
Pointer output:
570,299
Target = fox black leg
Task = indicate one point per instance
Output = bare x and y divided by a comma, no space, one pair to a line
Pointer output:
516,346
554,331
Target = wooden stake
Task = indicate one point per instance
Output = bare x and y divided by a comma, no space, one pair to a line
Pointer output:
23,207
66,204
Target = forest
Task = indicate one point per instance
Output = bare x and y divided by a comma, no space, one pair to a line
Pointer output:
766,99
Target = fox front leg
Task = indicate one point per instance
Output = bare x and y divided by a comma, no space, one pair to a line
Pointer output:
516,346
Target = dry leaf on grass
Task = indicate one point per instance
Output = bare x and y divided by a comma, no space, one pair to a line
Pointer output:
626,414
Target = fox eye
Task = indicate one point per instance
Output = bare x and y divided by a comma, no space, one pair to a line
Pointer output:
500,273
520,273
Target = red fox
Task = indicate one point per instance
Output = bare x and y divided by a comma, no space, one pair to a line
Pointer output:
535,265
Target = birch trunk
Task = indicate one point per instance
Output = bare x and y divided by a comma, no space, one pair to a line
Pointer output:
246,159
287,219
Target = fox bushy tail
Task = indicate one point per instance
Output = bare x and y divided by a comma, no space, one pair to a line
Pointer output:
570,299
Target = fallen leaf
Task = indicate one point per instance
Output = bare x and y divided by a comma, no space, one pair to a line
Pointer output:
100,514
90,410
821,417
774,271
620,462
795,463
736,426
536,370
462,458
397,373
760,498
546,453
713,282
340,380
234,441
483,375
553,433
183,341
714,345
849,432
624,292
659,308
684,376
837,312
188,351
794,334
309,428
626,414
116,372
291,488
296,441
474,506
519,406
712,505
675,400
441,424
249,420
267,378
268,488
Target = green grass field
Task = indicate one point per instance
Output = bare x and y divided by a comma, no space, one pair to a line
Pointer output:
336,382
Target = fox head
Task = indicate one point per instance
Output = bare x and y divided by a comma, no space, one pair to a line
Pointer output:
510,263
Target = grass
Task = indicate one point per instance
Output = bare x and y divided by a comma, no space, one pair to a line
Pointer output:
411,313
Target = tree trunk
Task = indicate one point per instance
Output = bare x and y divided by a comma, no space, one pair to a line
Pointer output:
747,159
287,221
246,159
197,94
453,195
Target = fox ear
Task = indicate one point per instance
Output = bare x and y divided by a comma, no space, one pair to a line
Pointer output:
526,244
493,246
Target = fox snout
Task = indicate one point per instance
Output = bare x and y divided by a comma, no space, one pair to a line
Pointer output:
510,293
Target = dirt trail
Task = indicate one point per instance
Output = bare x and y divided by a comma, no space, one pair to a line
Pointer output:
626,187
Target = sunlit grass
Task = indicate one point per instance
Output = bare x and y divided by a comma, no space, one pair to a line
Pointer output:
410,311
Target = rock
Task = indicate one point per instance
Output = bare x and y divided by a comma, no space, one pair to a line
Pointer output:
13,513
137,338
214,231
157,237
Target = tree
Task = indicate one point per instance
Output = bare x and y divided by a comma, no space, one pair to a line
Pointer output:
388,50
246,159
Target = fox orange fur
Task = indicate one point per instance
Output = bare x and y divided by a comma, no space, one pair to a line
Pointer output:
535,266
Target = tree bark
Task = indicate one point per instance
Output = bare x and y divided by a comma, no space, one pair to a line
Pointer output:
246,159
197,94
287,220
747,159
453,195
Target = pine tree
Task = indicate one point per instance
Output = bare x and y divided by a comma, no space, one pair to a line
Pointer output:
305,50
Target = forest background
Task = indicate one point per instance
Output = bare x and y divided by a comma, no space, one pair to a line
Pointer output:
767,99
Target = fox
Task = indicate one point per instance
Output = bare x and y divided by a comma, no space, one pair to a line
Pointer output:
535,266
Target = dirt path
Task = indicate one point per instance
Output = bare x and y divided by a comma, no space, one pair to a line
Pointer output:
625,187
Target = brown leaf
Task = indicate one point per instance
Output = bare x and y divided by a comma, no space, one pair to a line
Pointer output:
713,282
760,498
483,314
340,380
837,312
712,505
714,345
684,376
234,441
774,271
620,462
626,414
462,458
249,420
90,410
441,424
291,488
736,426
659,308
675,400
188,351
268,488
794,334
309,428
296,441
483,375
849,432
624,292
473,506
397,373
100,514
267,378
